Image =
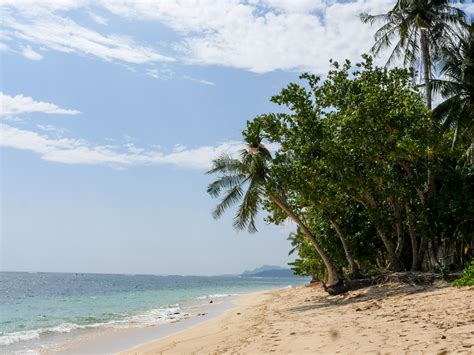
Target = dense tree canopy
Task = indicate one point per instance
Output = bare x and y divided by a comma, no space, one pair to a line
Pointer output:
362,165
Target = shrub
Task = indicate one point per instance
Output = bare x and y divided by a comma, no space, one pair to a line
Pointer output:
467,278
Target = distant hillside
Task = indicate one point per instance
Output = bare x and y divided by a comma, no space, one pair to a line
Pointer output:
262,268
269,271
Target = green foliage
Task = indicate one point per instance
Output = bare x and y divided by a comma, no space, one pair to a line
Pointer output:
353,151
366,170
457,88
309,262
467,278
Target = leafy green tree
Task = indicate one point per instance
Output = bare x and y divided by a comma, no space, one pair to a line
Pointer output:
420,28
363,136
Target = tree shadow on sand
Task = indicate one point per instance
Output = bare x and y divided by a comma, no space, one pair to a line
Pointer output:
366,295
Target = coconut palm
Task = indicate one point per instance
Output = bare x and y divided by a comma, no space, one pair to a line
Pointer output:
420,28
457,86
250,172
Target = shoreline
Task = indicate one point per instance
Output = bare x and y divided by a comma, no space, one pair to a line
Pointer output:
234,306
390,318
114,340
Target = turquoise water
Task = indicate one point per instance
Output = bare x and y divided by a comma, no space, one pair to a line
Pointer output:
33,305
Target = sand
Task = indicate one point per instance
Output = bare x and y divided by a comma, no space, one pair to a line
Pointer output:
392,318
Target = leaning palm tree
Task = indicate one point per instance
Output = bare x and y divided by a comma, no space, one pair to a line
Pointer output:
251,172
457,86
420,27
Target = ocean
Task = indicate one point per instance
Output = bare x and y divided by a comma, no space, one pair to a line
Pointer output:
34,307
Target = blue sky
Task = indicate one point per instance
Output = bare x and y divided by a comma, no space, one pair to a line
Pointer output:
113,110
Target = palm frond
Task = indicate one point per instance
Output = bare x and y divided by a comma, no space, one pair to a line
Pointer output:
225,182
233,196
225,164
248,209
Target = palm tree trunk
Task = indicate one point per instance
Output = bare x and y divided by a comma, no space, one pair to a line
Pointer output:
425,57
333,277
354,268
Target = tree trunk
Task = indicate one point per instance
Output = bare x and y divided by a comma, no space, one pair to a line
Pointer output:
414,243
394,263
333,277
354,268
433,260
425,57
397,214
421,252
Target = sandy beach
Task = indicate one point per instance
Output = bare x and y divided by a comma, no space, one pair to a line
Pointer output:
392,318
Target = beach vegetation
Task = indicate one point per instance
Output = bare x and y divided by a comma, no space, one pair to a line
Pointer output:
374,178
467,279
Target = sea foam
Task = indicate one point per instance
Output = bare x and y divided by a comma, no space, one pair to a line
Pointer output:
217,295
148,318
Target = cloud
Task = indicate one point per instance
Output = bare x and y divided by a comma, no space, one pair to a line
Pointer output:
38,23
256,35
19,104
201,81
163,74
80,151
261,36
4,47
294,6
29,53
51,128
98,19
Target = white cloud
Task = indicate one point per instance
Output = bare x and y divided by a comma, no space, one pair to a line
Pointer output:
80,151
29,53
98,19
4,47
163,74
201,81
301,6
256,35
51,128
261,36
206,82
19,104
39,23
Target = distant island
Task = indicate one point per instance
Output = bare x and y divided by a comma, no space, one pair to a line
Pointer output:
269,271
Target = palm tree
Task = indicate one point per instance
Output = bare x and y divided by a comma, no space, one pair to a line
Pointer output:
251,172
457,86
421,28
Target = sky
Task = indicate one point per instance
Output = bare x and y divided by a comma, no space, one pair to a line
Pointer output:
112,111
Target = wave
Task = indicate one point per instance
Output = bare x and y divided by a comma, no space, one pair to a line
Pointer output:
217,295
148,318
15,337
